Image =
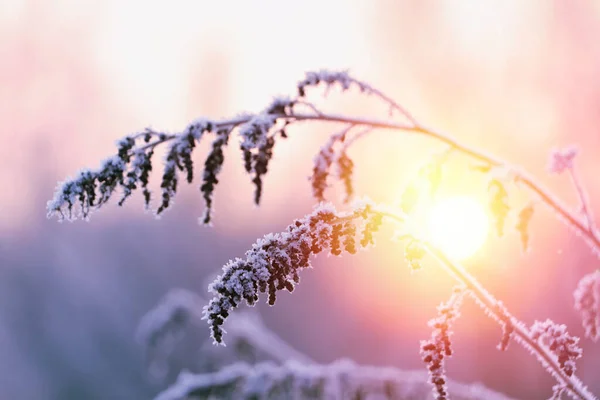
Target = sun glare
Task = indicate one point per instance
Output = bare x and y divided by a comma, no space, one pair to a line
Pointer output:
458,226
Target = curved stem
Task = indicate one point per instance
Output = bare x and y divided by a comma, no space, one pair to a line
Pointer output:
519,174
585,208
491,305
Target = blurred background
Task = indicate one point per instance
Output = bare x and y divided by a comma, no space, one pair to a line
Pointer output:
515,77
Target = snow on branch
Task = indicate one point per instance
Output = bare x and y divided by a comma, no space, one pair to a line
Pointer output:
180,309
561,160
564,160
564,346
130,168
554,348
340,380
275,261
174,312
323,161
587,302
435,350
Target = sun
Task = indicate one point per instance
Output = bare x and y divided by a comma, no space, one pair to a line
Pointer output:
458,226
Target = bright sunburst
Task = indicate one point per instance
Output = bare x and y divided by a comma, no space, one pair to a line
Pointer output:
458,226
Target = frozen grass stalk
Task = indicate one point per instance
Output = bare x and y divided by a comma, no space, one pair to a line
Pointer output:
274,263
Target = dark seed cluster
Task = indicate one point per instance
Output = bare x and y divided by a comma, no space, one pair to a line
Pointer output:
564,346
587,302
212,167
274,262
322,164
131,167
345,168
435,350
258,139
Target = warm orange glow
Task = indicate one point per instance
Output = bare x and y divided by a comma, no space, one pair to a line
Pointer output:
458,225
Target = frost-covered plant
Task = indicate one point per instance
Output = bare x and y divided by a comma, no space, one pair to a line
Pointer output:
283,371
340,380
274,262
163,326
563,345
180,311
587,302
436,349
256,354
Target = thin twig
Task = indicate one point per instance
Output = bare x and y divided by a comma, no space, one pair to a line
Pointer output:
393,104
492,305
519,174
309,105
583,199
354,138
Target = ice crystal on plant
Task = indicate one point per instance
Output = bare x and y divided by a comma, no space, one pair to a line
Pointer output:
258,140
557,391
564,346
436,349
174,311
323,161
129,169
258,133
197,127
254,132
163,326
587,302
345,81
328,77
339,380
90,189
508,328
141,166
212,167
179,157
273,263
345,167
500,314
561,160
180,309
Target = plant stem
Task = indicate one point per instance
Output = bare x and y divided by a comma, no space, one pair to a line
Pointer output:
593,239
489,303
585,208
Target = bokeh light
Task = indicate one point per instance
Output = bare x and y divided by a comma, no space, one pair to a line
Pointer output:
458,226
